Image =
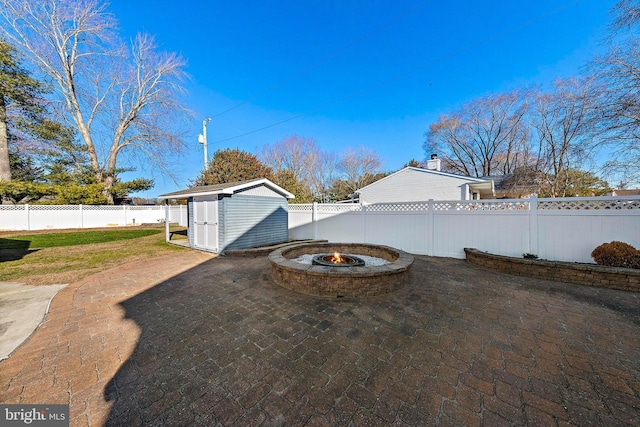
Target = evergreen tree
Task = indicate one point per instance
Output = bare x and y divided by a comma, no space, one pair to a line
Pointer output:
287,180
231,165
575,182
19,100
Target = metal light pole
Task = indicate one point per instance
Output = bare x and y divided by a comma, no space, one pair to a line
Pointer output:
202,139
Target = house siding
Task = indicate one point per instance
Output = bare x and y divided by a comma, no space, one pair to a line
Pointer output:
413,185
248,221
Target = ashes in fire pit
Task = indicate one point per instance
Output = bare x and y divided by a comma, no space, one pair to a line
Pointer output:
337,260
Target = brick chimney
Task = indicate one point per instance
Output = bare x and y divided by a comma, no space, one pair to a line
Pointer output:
434,163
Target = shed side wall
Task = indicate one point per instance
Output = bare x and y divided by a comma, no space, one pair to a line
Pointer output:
248,221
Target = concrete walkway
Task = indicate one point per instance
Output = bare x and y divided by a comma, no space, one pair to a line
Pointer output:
22,309
193,340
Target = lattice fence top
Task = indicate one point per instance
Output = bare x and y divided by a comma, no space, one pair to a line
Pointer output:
54,208
480,205
78,207
145,208
12,207
307,207
398,207
330,207
102,208
564,204
589,204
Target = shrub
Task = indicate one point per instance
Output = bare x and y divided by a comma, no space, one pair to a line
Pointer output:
617,254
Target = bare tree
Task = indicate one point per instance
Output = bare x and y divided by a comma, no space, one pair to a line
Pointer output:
618,76
324,174
119,99
626,16
296,154
358,166
562,126
486,136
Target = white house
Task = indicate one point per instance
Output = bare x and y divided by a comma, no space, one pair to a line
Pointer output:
416,184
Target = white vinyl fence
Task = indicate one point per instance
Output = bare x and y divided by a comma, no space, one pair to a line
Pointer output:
44,217
563,229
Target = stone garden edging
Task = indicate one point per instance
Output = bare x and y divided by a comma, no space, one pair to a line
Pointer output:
626,279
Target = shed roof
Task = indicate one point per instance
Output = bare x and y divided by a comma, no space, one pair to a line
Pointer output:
226,188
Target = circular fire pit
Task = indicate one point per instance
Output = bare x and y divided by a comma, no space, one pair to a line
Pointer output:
337,260
340,279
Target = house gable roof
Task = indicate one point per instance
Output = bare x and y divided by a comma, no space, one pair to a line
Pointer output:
427,171
626,192
226,188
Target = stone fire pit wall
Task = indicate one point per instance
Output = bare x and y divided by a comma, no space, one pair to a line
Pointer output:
340,281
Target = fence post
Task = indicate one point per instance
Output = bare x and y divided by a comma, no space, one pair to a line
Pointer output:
533,225
363,209
314,219
81,216
430,227
167,234
26,215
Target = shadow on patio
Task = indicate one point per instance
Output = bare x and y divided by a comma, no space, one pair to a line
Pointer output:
221,343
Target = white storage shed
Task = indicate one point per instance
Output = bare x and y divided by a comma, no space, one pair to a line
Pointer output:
235,215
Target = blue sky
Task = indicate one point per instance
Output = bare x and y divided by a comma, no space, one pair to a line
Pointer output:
355,73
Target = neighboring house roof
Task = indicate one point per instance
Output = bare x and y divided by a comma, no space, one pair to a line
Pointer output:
626,192
507,188
521,183
482,185
226,188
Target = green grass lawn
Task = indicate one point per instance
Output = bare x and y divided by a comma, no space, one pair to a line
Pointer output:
40,241
39,258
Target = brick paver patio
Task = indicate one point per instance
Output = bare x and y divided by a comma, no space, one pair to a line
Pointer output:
194,340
